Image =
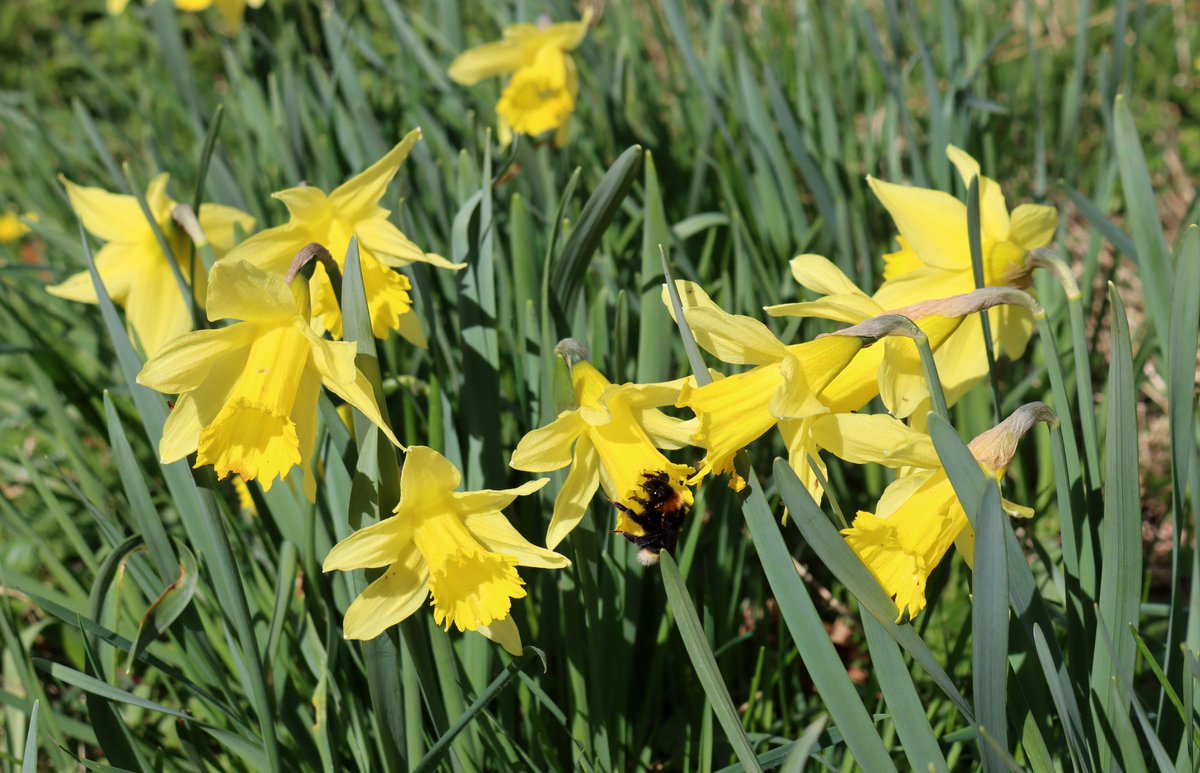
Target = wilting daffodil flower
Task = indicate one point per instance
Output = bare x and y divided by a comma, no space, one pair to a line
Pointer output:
231,11
455,546
934,260
11,227
615,434
540,96
352,209
892,368
785,387
131,263
919,516
248,392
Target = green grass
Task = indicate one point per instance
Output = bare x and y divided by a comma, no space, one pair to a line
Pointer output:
734,136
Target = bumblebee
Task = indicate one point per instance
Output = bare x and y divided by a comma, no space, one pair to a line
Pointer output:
661,518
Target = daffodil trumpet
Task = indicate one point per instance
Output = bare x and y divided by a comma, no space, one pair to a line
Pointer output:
919,516
614,439
784,388
453,547
248,391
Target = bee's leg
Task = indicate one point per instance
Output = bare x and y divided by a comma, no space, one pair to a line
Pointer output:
634,516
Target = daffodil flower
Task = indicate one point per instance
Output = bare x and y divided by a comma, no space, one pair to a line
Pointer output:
892,368
934,260
11,227
231,11
919,516
131,263
541,94
248,392
352,209
612,439
455,546
785,387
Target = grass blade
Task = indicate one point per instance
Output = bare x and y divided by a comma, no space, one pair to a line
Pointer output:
989,623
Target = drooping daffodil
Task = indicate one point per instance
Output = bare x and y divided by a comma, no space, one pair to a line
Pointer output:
454,546
892,368
541,94
248,392
612,439
352,209
131,264
785,387
934,260
919,516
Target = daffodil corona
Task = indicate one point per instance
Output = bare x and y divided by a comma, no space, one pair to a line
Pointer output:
919,516
131,264
541,94
352,209
248,392
612,439
454,546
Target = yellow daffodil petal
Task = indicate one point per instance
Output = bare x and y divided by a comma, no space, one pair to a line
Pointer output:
492,501
933,224
306,204
220,224
394,596
803,452
548,448
112,217
819,274
733,412
1014,510
157,200
877,438
902,384
504,632
426,479
1033,225
358,198
993,212
392,248
857,384
118,265
155,309
272,250
808,369
187,362
900,262
116,7
496,534
521,43
729,337
667,432
370,547
578,489
387,294
898,491
241,290
961,361
850,309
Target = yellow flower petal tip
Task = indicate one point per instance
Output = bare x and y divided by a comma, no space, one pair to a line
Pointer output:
454,547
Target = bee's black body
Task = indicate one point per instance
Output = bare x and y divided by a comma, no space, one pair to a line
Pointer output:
661,518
